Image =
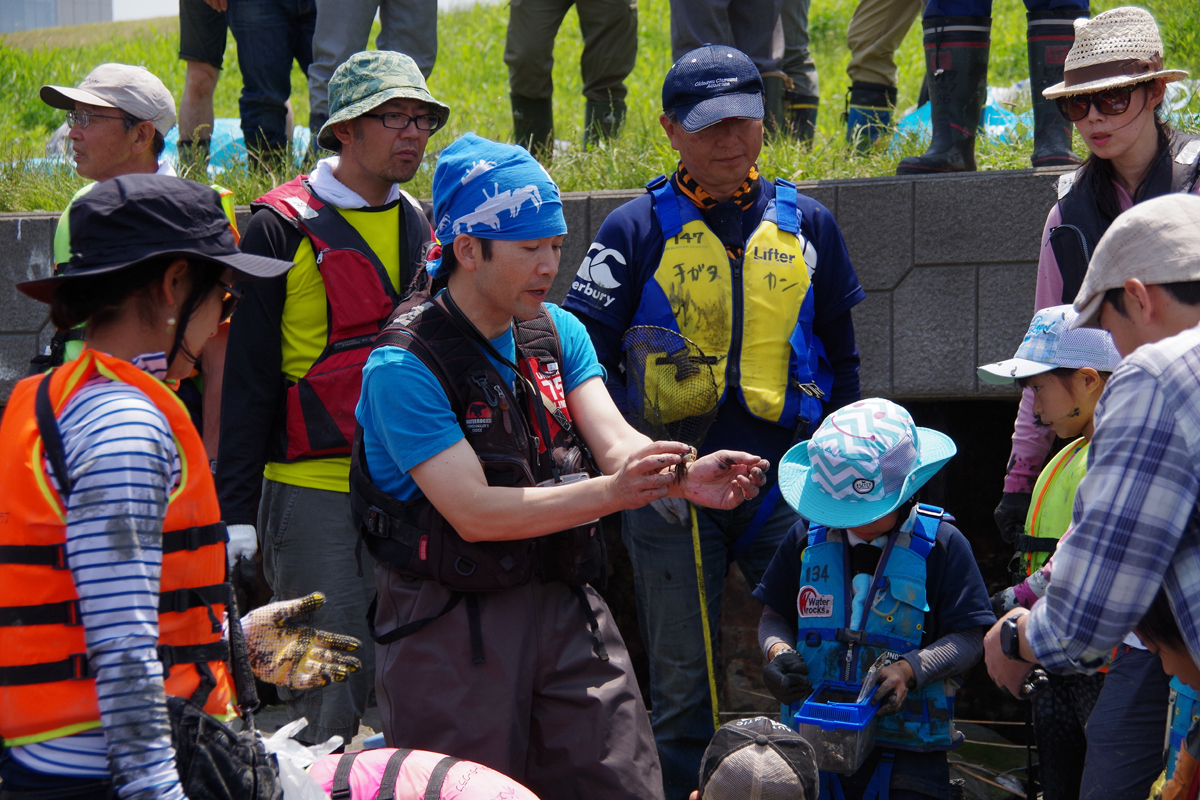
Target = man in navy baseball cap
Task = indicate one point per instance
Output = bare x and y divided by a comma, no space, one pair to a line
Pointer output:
767,288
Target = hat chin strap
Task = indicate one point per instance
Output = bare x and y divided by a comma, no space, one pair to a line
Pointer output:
185,316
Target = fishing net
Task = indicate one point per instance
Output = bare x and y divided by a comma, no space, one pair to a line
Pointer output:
670,385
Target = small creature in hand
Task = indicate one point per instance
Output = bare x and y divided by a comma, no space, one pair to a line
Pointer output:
681,469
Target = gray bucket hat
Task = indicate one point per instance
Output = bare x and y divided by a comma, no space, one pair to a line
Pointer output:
369,79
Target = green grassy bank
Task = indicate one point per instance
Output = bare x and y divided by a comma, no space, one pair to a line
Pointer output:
471,77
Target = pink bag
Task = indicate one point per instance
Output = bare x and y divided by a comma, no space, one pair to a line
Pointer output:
390,774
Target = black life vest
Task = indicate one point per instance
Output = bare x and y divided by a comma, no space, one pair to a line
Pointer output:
318,415
1074,239
508,435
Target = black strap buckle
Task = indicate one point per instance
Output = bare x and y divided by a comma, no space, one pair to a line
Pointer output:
191,537
175,602
80,668
851,637
377,521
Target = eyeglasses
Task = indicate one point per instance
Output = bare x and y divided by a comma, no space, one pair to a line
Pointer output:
229,301
1110,103
84,118
397,121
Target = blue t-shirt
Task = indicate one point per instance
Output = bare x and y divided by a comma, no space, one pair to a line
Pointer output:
406,416
955,591
607,291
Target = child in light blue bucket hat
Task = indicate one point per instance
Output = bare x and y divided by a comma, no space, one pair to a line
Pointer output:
874,576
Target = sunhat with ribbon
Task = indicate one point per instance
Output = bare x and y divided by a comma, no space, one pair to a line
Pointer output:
864,461
1117,48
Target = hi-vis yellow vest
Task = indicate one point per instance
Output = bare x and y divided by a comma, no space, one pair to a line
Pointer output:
753,315
1054,499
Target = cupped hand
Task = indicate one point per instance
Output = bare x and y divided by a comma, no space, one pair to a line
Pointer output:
724,479
286,652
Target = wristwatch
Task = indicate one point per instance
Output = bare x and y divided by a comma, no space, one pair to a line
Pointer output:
1010,640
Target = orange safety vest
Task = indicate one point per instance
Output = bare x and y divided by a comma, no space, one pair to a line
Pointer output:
47,688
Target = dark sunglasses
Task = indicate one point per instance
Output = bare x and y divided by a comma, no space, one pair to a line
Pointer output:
1110,103
229,301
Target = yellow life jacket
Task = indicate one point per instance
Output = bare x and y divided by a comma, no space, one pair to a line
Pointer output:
753,316
1053,500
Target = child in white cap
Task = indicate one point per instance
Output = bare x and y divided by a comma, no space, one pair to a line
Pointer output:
1066,370
875,573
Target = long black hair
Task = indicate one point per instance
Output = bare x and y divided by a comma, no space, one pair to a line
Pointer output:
1098,174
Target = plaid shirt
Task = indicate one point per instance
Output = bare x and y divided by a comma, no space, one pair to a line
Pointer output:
1136,519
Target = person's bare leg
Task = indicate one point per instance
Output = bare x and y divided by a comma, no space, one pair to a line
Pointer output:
196,104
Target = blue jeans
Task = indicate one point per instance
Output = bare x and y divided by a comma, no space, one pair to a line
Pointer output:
1126,729
406,26
269,35
664,570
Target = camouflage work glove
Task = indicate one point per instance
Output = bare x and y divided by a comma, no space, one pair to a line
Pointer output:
286,652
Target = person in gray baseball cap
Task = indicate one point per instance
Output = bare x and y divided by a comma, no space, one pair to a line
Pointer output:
118,118
1136,517
296,351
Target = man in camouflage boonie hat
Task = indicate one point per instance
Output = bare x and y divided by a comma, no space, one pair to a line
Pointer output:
369,79
294,364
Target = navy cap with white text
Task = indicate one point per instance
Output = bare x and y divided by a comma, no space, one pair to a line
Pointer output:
712,83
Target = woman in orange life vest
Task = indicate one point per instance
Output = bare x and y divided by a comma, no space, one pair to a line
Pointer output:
112,552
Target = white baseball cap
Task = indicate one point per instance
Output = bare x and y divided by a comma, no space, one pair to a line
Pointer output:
134,90
1051,343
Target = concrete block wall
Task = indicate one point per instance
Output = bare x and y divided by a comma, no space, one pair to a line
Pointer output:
948,263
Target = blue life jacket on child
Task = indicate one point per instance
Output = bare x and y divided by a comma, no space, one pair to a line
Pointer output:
894,620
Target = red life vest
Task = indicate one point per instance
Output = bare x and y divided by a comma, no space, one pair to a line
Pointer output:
319,408
46,686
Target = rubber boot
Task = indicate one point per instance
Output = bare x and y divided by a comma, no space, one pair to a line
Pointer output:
868,113
315,123
1051,34
956,68
801,113
533,124
602,120
773,89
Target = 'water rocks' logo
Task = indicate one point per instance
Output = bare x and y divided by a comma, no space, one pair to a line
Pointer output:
812,603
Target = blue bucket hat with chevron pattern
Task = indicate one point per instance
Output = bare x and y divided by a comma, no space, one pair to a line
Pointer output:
862,463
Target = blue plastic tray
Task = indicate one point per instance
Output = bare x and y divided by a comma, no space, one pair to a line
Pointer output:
831,715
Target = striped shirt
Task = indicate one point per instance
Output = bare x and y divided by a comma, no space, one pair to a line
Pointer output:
1136,519
123,461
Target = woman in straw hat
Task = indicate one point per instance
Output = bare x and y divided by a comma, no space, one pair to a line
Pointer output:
1112,90
112,549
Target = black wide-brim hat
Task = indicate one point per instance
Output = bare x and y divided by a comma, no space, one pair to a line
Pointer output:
133,218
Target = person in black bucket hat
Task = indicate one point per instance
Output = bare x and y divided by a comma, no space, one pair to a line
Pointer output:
112,549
